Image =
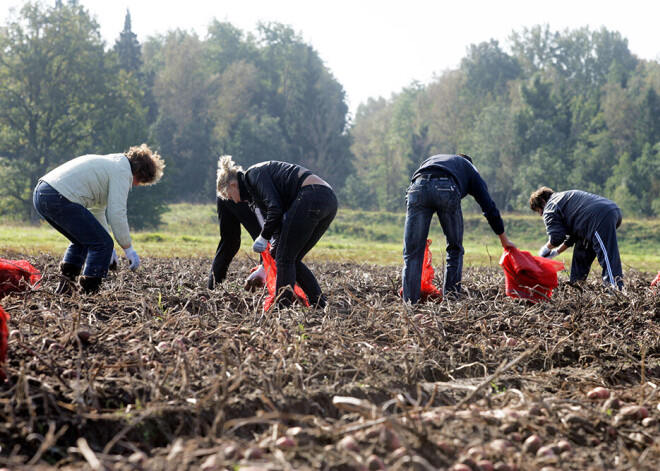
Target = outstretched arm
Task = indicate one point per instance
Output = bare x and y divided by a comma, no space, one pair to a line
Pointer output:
506,243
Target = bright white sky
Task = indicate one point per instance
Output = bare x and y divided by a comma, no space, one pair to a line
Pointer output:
376,47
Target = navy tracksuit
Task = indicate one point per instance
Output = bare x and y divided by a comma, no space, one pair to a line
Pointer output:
589,222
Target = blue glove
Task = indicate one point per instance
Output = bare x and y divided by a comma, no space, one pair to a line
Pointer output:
260,244
132,257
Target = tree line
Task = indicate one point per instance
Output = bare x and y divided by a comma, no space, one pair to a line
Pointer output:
571,109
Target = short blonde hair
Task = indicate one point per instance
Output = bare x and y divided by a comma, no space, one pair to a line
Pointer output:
145,164
227,173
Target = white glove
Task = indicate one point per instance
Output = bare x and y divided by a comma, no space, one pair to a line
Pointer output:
553,253
114,260
544,251
132,257
259,273
256,280
260,244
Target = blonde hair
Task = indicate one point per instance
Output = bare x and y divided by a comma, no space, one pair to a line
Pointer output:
227,173
145,164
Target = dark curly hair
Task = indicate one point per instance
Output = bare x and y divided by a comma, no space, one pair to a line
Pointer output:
538,199
145,164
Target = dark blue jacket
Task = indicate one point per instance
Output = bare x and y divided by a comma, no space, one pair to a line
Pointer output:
574,214
469,182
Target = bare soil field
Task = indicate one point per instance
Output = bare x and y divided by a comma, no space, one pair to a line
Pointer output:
158,373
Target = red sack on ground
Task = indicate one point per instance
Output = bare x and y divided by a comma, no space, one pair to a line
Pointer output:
529,277
4,317
428,290
656,282
271,277
17,275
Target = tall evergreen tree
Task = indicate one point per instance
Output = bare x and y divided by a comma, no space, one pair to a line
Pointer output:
129,124
127,47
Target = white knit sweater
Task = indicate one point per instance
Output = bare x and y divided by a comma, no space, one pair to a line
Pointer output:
99,183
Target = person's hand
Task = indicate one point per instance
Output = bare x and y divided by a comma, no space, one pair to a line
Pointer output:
506,243
132,257
544,251
114,260
553,253
256,280
260,244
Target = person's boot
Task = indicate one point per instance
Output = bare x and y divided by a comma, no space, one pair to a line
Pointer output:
90,284
70,274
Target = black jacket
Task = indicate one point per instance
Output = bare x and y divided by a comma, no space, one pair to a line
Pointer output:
574,214
272,186
469,182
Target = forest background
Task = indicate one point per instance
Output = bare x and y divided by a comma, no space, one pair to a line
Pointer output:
567,109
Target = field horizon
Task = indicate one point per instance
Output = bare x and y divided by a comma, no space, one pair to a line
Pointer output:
191,230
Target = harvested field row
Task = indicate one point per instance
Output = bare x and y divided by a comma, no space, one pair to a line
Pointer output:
159,373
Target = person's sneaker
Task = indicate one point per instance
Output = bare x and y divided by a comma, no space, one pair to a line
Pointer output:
257,279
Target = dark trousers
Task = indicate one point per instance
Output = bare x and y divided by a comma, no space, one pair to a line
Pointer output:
604,245
91,245
303,225
424,198
230,217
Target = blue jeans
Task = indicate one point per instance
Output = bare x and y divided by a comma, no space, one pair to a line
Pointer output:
91,245
303,225
424,198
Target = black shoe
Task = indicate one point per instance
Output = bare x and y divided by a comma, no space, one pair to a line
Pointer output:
321,302
90,284
70,274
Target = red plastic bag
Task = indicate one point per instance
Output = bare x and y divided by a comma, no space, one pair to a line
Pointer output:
4,317
17,275
271,278
656,282
529,277
428,290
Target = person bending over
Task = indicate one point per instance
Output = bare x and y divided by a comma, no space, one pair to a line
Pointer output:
298,207
437,187
587,221
75,197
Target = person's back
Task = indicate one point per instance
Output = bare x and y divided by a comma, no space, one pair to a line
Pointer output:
468,180
89,180
581,212
458,167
